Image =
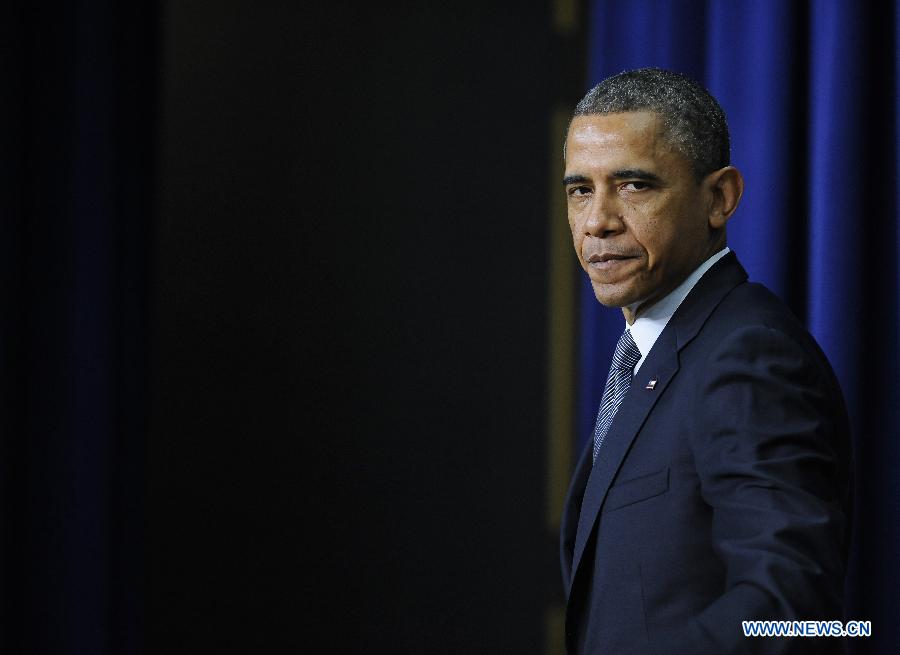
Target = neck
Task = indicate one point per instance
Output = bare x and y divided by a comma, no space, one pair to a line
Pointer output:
633,311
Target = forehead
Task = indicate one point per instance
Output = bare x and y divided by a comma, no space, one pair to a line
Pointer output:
627,138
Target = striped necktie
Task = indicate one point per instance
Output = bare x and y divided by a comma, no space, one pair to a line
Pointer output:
617,383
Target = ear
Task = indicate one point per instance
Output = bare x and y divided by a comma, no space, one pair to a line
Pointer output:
726,186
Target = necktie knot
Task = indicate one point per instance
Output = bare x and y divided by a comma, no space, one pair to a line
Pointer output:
627,354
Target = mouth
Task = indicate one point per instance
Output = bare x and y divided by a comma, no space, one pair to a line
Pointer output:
608,261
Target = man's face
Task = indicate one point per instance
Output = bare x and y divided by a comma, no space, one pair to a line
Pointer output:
637,214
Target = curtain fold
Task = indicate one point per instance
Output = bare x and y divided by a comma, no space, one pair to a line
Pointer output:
78,134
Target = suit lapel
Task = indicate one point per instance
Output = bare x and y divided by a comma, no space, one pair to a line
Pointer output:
661,364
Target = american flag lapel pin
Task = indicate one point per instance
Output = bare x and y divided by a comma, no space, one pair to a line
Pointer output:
651,385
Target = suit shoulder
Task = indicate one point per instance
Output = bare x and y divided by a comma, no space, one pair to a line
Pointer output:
752,304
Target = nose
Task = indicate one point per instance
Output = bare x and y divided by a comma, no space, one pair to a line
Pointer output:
605,217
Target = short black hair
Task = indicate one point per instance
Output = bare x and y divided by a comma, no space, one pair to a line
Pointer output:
694,122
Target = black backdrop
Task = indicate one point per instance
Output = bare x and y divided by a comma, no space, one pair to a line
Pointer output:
348,421
77,128
274,327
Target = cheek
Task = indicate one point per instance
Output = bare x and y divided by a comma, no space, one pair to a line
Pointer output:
644,231
577,233
576,246
656,239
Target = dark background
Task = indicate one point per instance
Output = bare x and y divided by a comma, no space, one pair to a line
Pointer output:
274,327
347,427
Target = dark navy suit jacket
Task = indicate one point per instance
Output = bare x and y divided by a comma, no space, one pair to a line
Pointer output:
722,494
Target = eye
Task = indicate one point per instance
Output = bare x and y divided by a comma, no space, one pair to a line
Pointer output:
636,185
579,191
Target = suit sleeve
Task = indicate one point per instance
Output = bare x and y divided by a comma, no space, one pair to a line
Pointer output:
764,438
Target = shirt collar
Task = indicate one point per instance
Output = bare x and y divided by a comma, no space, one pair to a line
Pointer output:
648,326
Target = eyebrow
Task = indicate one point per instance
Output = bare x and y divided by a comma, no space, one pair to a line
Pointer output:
625,173
574,179
636,174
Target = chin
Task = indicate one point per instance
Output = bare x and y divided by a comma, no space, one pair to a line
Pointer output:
609,295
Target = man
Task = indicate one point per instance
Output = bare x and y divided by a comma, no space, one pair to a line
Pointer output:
716,488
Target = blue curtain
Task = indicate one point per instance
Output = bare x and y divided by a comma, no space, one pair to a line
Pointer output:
810,91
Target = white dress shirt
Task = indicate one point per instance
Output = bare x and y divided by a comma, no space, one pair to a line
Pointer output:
648,326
